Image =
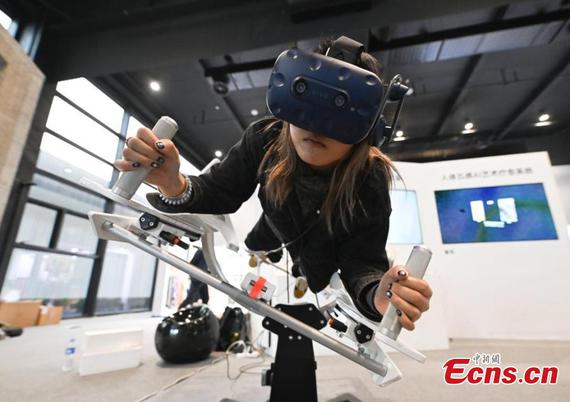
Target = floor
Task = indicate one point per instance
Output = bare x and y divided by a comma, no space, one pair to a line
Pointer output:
30,370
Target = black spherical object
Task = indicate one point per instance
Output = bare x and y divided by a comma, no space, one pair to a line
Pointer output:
188,335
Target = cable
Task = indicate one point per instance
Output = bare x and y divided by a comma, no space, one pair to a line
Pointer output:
244,369
180,379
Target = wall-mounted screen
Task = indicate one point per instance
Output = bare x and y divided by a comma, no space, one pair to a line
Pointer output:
488,214
405,225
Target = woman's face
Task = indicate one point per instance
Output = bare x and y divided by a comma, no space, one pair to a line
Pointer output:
317,151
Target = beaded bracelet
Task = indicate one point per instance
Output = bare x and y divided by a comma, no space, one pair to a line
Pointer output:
179,199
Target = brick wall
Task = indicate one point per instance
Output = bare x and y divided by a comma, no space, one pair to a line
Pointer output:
20,85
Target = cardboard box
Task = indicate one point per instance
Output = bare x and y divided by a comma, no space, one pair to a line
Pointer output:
50,315
20,314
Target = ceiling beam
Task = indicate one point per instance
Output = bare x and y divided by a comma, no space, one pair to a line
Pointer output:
189,37
458,95
376,45
549,81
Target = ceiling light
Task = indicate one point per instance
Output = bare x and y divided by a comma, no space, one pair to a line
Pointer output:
217,107
400,138
544,117
469,126
543,123
254,112
154,85
467,131
218,154
399,133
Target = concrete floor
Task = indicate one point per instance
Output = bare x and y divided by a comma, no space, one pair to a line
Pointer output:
30,370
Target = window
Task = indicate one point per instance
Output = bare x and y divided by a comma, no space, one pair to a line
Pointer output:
91,99
77,236
62,159
36,226
5,21
54,254
128,275
72,124
60,279
62,195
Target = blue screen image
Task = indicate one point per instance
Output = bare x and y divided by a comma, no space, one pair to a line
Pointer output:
491,214
405,225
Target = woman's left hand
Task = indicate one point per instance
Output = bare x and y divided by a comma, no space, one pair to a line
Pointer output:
409,295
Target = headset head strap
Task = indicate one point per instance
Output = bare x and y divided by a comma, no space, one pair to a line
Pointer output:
346,49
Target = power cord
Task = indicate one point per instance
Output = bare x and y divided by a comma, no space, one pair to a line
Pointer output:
244,369
180,379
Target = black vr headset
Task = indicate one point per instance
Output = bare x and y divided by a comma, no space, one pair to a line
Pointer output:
331,96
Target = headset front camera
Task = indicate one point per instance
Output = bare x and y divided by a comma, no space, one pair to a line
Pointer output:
340,100
300,87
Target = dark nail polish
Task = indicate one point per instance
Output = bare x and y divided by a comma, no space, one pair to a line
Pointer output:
154,164
160,145
389,294
136,164
160,160
402,273
399,313
390,286
396,280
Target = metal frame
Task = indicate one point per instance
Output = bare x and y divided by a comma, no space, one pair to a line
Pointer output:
243,298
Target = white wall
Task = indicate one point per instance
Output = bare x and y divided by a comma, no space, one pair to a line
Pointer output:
510,290
562,179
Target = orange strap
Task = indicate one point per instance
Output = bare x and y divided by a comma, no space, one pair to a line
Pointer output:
257,287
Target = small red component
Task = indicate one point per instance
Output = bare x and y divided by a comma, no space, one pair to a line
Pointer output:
257,287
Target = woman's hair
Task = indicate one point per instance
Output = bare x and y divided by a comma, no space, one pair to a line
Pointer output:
281,163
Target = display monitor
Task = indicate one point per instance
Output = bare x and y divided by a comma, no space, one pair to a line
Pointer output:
490,214
405,225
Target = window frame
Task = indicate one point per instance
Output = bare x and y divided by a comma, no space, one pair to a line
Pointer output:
89,307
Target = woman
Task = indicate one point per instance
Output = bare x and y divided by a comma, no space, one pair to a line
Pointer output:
326,200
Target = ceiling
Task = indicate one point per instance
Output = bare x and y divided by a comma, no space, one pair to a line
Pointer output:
498,64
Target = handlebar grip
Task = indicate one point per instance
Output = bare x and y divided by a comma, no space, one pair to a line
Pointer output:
129,182
416,266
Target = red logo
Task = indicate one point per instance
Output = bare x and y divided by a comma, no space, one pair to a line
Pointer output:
459,370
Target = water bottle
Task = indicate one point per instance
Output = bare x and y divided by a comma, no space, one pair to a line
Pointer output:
69,356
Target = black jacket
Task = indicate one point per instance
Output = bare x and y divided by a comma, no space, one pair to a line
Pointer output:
359,254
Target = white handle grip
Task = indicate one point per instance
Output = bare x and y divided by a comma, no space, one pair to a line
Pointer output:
129,182
416,266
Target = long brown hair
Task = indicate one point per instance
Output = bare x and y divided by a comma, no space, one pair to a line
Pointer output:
281,164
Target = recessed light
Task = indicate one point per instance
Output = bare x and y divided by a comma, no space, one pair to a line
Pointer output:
154,85
254,112
466,131
543,123
218,154
400,138
68,170
544,117
399,133
469,126
217,107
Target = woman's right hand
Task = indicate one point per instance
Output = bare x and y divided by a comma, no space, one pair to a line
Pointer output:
162,156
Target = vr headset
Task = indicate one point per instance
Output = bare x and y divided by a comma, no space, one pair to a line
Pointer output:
331,96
